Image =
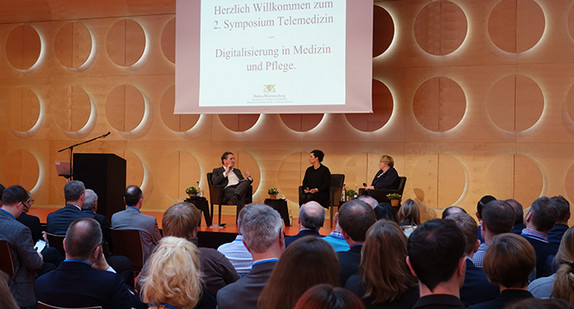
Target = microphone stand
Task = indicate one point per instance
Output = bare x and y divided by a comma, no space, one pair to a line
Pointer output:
72,152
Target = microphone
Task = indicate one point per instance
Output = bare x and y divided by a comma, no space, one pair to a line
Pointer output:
364,184
106,134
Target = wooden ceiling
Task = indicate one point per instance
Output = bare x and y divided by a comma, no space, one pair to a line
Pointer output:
16,11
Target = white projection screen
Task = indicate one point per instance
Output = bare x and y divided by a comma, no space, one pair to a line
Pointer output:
282,56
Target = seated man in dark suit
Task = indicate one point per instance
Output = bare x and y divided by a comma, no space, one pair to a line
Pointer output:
519,216
436,257
311,219
235,187
262,231
561,225
476,288
90,209
59,220
355,218
539,220
85,279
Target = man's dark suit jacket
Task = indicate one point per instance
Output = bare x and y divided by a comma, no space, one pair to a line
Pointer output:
542,250
244,293
104,224
301,234
77,284
218,179
33,223
349,262
505,298
556,233
59,220
439,301
476,288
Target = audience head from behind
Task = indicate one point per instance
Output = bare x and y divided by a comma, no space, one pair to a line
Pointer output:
181,220
436,257
562,209
469,229
1,192
542,215
518,212
16,200
385,211
483,201
91,200
325,296
369,200
133,196
355,218
410,213
497,218
311,216
262,230
74,193
563,286
383,267
172,275
535,303
509,260
451,210
306,262
83,240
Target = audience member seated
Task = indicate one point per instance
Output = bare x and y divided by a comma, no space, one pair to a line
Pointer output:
26,261
387,176
7,301
476,288
436,257
335,238
451,210
483,201
539,220
369,200
236,252
90,208
384,279
409,216
172,278
385,211
311,219
519,219
497,218
542,287
508,262
305,263
533,303
59,220
133,219
85,279
324,296
317,181
563,286
355,218
561,225
182,220
32,222
262,231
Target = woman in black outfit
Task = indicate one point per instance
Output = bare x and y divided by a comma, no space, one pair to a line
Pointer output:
317,181
387,177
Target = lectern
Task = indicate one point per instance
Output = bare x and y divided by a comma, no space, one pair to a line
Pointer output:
105,173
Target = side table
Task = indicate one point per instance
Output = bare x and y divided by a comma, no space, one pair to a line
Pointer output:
281,206
201,203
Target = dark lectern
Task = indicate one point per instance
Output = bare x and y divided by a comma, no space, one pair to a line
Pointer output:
104,173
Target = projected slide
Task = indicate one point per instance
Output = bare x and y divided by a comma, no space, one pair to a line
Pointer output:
281,56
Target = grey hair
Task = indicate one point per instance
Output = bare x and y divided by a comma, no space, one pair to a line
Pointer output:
73,190
261,226
369,200
313,222
91,198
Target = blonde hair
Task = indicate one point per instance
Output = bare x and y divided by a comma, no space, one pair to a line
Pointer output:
388,160
563,286
172,274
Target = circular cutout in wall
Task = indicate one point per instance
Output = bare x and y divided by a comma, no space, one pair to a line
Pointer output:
126,42
517,174
440,28
382,110
515,103
74,109
23,47
439,180
24,109
516,26
176,122
301,122
22,169
383,30
125,108
239,122
73,45
439,104
168,41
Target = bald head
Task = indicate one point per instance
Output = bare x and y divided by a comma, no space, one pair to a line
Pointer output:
312,215
82,238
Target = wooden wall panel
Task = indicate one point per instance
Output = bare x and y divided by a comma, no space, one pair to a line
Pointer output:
502,122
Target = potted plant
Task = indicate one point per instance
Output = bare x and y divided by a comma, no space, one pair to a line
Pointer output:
350,194
395,198
273,193
191,191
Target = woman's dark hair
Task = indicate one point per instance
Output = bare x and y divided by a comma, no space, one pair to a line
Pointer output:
325,296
